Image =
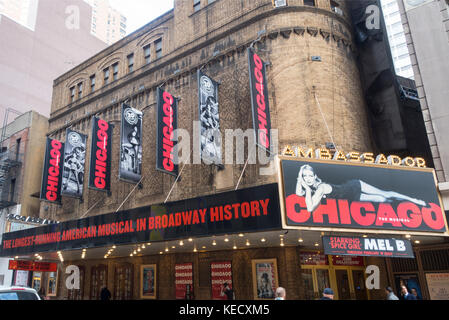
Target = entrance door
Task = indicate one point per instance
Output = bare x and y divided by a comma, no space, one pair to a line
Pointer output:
322,278
358,277
343,287
99,280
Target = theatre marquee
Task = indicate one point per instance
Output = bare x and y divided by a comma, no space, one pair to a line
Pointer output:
340,196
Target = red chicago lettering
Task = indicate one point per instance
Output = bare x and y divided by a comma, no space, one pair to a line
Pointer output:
407,214
412,220
101,155
433,217
261,102
296,211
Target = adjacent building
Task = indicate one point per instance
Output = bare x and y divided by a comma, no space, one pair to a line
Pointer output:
396,38
21,159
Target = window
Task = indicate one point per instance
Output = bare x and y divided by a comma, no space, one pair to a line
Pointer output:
196,5
158,44
80,90
147,54
309,3
18,148
72,94
106,76
115,71
210,1
92,83
131,62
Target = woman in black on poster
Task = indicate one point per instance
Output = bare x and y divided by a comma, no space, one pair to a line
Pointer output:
314,190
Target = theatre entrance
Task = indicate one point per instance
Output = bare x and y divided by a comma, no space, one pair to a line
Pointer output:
345,275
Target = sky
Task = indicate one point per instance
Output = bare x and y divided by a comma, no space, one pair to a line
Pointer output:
139,12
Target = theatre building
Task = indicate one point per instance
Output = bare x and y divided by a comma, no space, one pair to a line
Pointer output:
315,215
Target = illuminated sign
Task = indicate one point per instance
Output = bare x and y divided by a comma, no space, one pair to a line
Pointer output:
353,156
367,247
331,195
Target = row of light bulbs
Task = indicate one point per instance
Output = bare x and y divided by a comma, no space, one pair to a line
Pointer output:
181,243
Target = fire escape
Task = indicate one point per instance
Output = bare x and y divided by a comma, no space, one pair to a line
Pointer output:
10,164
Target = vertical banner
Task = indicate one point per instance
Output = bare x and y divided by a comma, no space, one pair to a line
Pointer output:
52,172
167,123
130,168
221,280
74,160
209,119
184,281
259,100
100,155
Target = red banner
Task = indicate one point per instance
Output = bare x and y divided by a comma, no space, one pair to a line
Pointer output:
221,280
32,266
184,281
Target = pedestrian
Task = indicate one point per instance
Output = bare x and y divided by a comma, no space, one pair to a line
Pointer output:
105,294
280,294
406,295
415,293
390,294
328,294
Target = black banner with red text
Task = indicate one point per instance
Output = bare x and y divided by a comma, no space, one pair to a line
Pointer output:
247,210
348,195
167,123
52,172
259,100
100,155
368,247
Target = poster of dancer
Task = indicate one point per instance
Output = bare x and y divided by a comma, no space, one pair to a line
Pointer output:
130,168
209,120
148,281
328,193
74,161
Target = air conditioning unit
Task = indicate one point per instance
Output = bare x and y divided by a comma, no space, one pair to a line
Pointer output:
279,3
